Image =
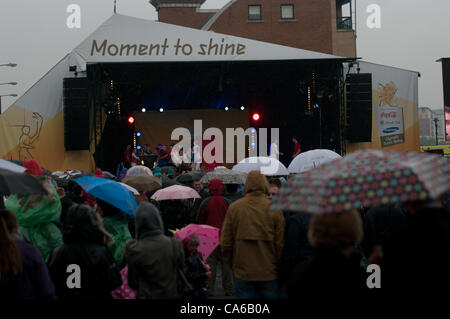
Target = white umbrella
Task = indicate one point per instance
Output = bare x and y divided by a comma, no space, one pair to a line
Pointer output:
139,170
227,176
305,161
268,166
10,166
132,189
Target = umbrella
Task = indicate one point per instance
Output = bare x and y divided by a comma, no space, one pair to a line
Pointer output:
169,182
109,175
45,171
227,176
175,192
365,178
10,166
109,191
268,166
207,235
143,182
63,179
190,177
139,170
131,189
19,183
311,159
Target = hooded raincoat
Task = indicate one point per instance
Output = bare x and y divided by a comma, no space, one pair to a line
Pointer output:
151,261
213,209
252,237
37,215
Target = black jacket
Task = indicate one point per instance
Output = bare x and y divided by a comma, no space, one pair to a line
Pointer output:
175,214
154,258
297,248
83,246
329,274
196,274
416,256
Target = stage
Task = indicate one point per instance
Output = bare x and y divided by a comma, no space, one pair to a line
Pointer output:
300,98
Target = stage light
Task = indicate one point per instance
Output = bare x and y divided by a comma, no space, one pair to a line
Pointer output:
242,108
161,110
253,144
255,117
226,108
138,147
131,120
138,134
253,131
144,110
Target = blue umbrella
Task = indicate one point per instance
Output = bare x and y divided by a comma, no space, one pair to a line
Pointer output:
109,191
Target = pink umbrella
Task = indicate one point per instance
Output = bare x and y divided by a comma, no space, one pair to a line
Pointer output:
175,192
208,236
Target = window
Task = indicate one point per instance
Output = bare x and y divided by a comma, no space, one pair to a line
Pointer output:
287,11
254,12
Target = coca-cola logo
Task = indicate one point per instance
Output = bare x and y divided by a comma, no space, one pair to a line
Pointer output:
389,115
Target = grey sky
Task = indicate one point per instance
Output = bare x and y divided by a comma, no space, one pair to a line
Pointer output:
33,34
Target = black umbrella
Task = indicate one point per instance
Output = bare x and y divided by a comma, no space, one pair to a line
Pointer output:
64,179
19,183
190,177
169,182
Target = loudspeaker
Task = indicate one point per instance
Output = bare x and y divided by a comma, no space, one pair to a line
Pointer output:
359,107
76,114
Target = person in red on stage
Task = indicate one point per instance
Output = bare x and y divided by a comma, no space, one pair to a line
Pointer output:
297,147
127,157
134,158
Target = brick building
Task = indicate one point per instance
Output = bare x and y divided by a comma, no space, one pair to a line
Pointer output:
318,25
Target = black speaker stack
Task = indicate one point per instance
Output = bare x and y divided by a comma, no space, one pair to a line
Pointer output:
76,114
359,107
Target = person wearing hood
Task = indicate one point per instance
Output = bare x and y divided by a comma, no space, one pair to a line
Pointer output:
252,241
212,212
84,246
154,259
38,215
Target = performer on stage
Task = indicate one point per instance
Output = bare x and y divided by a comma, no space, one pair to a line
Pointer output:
134,158
297,147
274,152
127,157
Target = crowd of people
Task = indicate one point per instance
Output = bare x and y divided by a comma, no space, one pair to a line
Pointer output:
262,254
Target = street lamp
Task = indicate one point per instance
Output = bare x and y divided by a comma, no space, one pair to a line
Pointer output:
436,126
1,100
10,83
9,64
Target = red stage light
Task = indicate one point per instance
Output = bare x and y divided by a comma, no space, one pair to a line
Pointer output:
131,120
255,116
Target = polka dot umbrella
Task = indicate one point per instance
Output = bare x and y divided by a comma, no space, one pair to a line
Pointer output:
365,178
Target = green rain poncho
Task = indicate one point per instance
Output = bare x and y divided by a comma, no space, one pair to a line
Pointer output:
36,215
117,226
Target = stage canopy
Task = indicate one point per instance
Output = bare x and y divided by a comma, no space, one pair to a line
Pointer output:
33,127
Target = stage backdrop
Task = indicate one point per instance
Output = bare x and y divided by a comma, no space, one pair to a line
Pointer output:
156,127
395,113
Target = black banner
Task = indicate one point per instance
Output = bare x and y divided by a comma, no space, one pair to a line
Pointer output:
446,82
